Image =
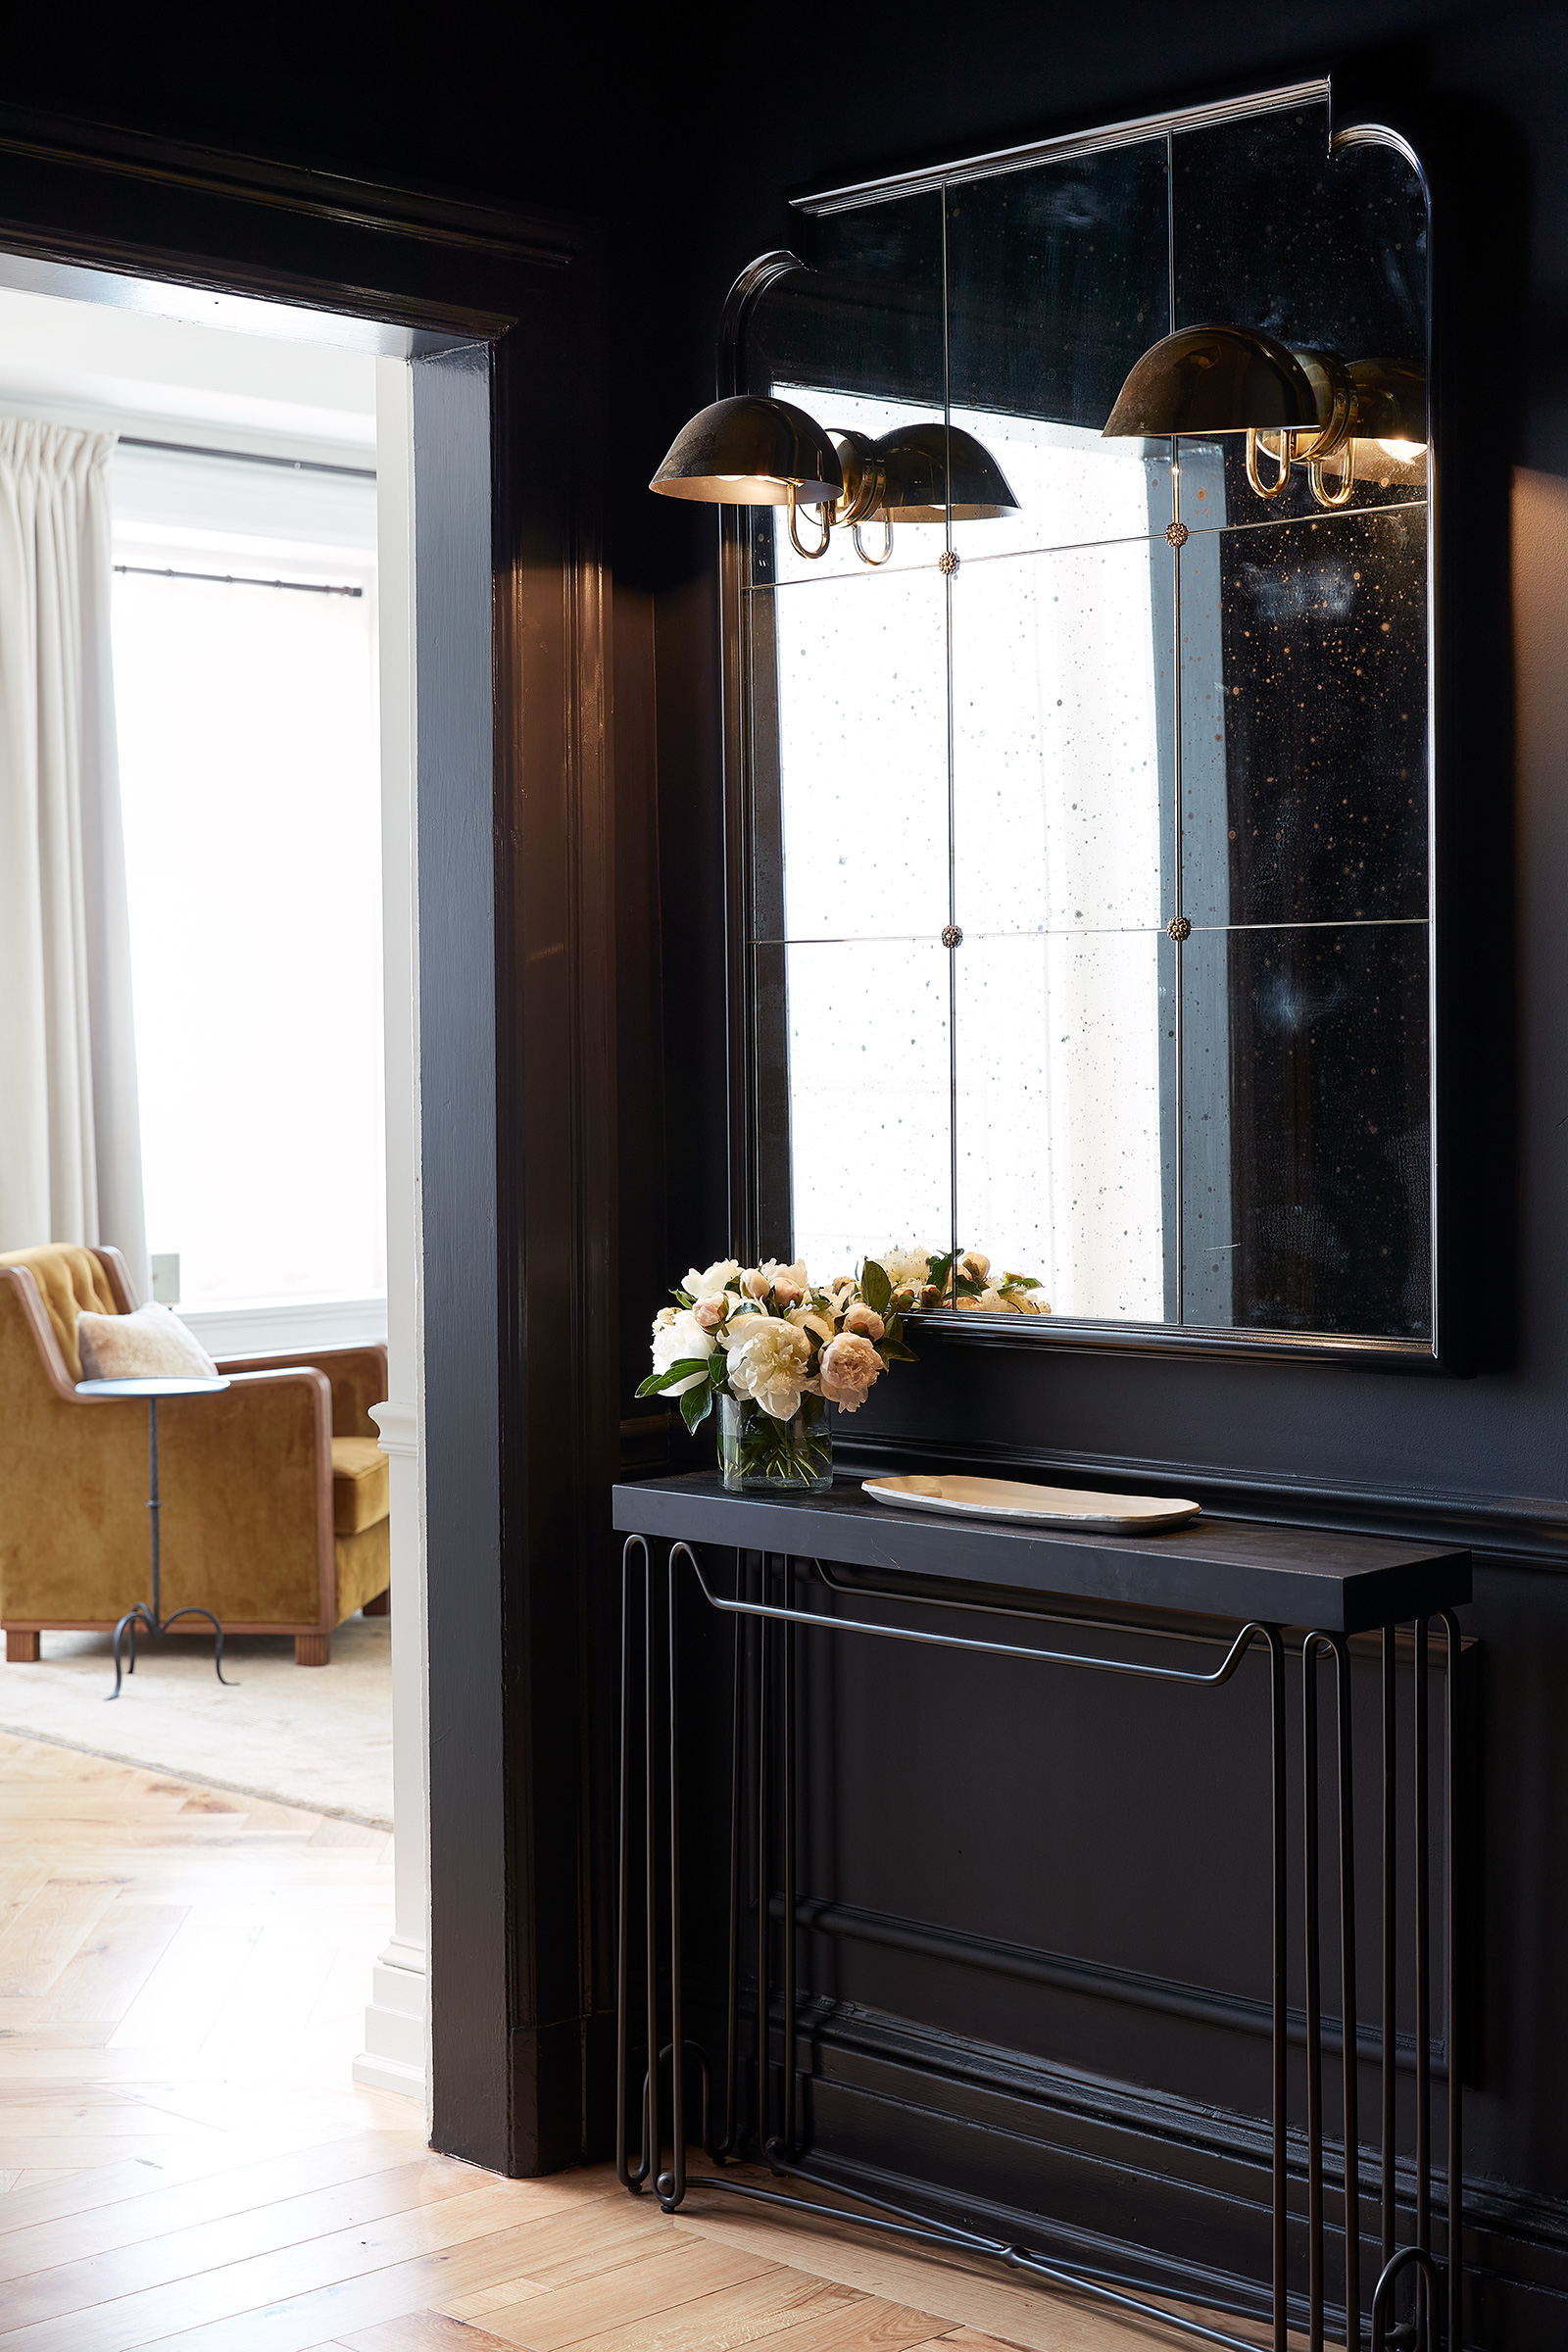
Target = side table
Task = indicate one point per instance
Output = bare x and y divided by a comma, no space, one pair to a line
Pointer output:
153,1618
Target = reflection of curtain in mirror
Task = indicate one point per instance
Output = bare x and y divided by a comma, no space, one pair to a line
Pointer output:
69,1135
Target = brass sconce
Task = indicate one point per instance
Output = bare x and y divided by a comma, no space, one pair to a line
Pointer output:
755,450
1318,407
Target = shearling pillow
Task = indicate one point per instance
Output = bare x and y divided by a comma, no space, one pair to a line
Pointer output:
151,1345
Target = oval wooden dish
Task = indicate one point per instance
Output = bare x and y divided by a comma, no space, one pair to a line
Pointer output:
1049,1506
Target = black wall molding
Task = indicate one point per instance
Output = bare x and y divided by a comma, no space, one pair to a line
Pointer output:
404,212
1523,1529
1018,2138
1101,1981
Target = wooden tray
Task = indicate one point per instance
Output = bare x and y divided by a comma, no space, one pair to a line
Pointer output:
1052,1507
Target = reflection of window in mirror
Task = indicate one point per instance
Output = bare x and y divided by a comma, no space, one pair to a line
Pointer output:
1155,747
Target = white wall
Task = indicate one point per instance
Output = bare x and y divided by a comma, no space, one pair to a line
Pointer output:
397,2022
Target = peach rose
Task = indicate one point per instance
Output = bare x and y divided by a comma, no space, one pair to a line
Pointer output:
866,1320
848,1369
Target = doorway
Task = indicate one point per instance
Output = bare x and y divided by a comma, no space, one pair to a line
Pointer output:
509,962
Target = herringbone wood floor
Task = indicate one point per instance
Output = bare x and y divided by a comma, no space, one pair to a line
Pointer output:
182,1977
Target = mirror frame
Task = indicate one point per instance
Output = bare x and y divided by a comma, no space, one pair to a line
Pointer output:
1445,1351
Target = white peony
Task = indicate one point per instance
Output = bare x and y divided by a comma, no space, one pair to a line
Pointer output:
848,1369
905,1268
806,1318
864,1319
713,1280
676,1339
770,1361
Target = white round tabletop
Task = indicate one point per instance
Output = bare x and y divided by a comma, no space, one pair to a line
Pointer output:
174,1385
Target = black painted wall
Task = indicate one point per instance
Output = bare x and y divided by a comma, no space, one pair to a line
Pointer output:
659,138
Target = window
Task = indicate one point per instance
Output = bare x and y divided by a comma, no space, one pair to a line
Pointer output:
249,773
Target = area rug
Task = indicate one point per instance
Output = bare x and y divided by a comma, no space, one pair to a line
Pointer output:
318,1736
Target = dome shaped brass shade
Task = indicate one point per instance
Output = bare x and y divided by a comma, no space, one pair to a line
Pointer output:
922,463
751,451
1391,400
1216,379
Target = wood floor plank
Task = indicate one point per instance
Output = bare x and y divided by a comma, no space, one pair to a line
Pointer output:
864,2324
421,2331
297,2323
46,1929
632,2295
110,1967
192,2170
747,2313
259,2281
177,2008
232,2238
25,2036
122,2207
582,2242
953,2293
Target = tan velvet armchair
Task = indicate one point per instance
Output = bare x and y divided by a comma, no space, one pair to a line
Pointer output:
274,1490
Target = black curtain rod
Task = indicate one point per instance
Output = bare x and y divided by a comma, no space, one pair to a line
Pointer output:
239,579
248,456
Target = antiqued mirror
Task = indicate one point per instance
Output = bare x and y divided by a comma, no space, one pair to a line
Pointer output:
1082,798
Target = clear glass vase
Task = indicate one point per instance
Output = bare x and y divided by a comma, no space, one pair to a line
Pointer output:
759,1455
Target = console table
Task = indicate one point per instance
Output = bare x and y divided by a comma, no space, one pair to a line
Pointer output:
780,1563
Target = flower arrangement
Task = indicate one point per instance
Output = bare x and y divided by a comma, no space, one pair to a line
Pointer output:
773,1351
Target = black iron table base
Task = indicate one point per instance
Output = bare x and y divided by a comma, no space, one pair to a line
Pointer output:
149,1615
1416,2302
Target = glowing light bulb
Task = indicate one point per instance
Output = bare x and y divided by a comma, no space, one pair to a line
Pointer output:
1406,451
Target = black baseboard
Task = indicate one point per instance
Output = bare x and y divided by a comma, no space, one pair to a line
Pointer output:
1115,2177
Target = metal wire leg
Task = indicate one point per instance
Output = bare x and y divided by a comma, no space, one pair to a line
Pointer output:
653,2139
1425,2306
1349,2007
672,2184
131,1619
1451,2026
628,2179
763,1889
1279,1987
218,1646
787,1766
720,2149
1390,1883
1315,2004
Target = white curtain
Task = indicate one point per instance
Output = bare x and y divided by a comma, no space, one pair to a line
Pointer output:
69,1130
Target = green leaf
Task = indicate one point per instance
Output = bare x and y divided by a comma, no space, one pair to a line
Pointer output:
683,1297
1019,1282
696,1405
875,1288
682,1371
895,1353
940,1269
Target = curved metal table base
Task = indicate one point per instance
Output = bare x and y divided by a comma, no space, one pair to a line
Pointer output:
764,1692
